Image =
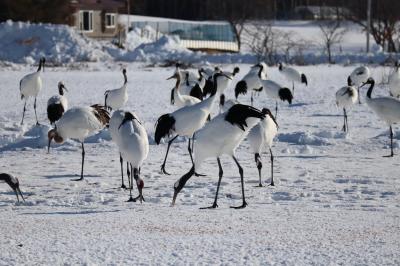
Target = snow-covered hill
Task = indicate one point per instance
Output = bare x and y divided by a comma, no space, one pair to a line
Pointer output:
26,43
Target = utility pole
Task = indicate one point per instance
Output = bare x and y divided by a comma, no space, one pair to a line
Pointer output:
368,23
128,6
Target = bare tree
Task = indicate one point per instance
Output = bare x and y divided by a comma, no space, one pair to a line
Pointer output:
384,23
272,45
332,33
261,41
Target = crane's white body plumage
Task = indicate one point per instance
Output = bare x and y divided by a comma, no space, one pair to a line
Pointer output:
117,98
219,137
360,75
271,88
185,89
31,84
115,122
78,123
386,108
58,99
252,81
191,118
346,96
133,142
186,120
179,99
291,74
261,138
184,100
262,135
394,82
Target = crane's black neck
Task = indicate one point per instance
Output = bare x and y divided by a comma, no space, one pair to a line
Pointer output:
125,77
260,71
371,87
40,65
187,79
215,85
280,67
200,75
60,89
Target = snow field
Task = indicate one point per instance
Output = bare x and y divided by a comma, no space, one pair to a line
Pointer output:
336,199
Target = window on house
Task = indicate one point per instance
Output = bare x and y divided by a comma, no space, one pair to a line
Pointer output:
110,20
86,20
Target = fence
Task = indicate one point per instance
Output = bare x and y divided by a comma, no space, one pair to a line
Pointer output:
198,36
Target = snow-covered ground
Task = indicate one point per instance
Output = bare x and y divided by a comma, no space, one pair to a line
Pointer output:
336,200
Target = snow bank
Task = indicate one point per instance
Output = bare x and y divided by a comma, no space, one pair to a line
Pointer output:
35,137
303,138
25,43
167,48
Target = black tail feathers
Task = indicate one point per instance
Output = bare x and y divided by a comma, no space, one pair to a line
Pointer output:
238,114
304,79
164,125
241,88
286,95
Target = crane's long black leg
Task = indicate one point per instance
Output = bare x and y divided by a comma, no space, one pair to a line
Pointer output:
121,160
136,173
23,113
276,110
34,107
252,98
391,143
359,98
220,174
166,155
293,87
344,120
244,204
130,187
257,158
128,172
194,134
347,124
272,168
16,194
83,162
190,151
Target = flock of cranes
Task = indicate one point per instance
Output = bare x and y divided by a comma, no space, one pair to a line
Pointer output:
195,95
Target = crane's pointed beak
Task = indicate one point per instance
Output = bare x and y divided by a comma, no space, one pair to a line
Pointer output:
226,76
48,145
123,122
174,198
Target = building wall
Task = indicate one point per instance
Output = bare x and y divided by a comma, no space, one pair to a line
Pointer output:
99,31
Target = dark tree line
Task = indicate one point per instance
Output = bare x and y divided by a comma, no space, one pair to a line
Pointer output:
46,11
